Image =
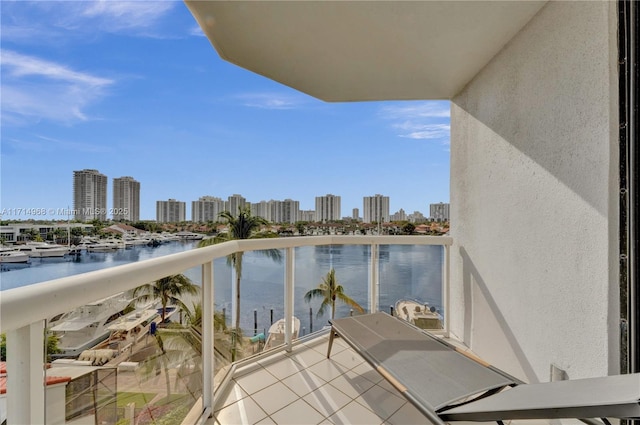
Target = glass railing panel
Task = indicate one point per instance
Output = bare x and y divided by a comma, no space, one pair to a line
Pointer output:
132,358
350,265
261,289
411,283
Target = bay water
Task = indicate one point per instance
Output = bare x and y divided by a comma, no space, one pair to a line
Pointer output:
405,271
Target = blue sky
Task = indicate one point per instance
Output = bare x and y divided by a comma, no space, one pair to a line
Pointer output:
135,89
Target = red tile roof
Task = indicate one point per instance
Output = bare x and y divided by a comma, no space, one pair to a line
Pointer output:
51,380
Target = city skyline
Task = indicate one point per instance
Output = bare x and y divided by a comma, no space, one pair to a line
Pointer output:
135,89
90,188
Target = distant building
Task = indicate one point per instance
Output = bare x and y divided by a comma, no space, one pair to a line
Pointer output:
416,217
262,209
170,211
375,209
126,199
328,208
307,215
89,195
399,216
439,212
290,211
20,232
207,208
234,203
355,214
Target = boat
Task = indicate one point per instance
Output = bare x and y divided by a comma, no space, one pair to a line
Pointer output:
276,333
129,329
11,256
42,250
189,236
87,326
418,313
101,247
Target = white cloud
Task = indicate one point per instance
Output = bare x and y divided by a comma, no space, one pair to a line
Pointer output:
420,120
34,89
115,15
197,31
43,22
434,109
424,131
43,144
269,101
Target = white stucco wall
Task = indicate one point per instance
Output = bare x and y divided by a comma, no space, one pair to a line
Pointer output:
533,198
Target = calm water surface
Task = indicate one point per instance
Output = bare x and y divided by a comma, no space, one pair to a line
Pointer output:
405,272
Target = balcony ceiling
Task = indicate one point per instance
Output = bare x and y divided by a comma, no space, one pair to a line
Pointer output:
364,50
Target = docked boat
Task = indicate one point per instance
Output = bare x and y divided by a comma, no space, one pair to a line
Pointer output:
88,325
276,333
129,329
42,250
102,247
418,314
10,256
189,236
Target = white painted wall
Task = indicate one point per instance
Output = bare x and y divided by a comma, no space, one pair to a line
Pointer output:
533,198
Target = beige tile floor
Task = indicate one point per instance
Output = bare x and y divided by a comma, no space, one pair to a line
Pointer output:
304,387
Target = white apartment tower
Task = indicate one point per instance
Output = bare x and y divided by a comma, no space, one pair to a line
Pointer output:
126,199
290,211
262,209
355,214
170,211
234,203
89,195
439,212
327,208
376,209
207,208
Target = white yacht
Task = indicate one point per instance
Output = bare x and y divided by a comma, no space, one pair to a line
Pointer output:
11,256
88,325
42,249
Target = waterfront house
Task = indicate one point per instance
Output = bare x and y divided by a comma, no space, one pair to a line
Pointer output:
543,276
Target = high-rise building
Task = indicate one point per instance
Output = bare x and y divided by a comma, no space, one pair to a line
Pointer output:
234,203
439,212
327,208
207,208
261,209
375,209
170,211
126,199
89,195
355,214
290,211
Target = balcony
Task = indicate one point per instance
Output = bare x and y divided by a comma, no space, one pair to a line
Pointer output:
188,374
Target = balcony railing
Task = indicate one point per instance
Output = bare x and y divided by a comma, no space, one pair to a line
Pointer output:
24,311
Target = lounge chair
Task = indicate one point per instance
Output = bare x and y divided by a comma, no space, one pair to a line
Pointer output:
447,384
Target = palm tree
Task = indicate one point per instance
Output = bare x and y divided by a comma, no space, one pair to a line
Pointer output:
330,291
169,289
244,226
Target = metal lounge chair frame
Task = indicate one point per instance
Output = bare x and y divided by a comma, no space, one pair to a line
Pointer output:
447,384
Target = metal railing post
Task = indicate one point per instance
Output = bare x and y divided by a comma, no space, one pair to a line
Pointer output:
446,290
208,329
374,281
289,270
25,376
